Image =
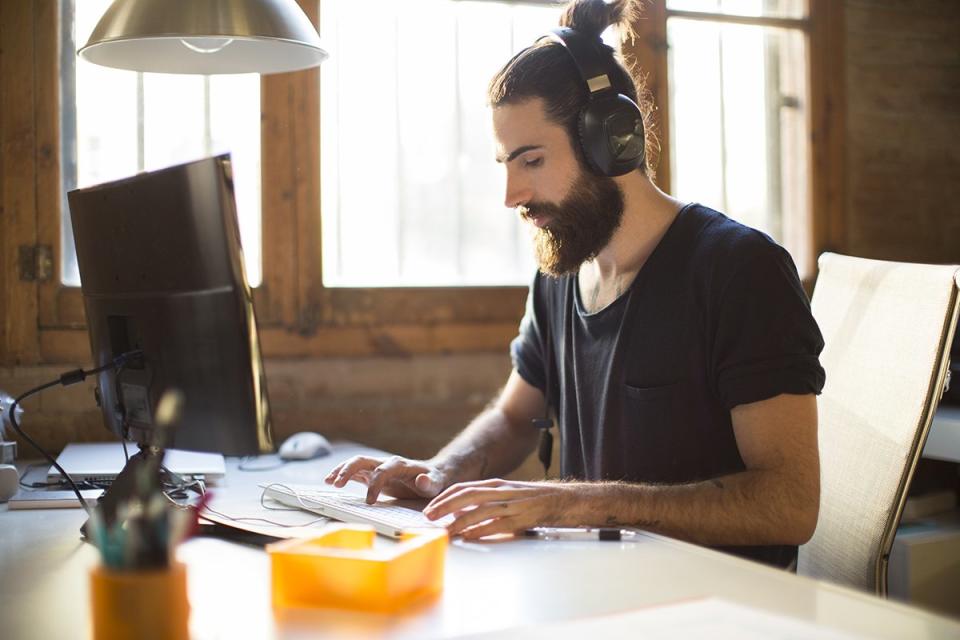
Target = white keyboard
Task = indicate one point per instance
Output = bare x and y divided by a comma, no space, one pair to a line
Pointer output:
387,519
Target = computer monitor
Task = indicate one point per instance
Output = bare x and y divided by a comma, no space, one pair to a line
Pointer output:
162,273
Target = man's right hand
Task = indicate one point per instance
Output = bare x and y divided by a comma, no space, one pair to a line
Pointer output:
394,476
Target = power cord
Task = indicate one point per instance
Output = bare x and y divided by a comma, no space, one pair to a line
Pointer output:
176,485
37,486
66,379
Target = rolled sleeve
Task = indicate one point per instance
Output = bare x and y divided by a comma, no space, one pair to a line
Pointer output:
767,341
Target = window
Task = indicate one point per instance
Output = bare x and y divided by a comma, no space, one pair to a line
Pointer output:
411,193
410,196
746,8
301,315
116,123
739,113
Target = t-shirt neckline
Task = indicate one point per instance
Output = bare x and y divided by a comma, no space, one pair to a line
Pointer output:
574,278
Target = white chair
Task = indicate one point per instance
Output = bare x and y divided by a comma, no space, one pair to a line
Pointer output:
887,328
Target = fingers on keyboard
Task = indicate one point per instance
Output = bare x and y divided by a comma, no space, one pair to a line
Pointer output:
351,468
389,471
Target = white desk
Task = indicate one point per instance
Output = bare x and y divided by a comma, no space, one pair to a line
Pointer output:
489,587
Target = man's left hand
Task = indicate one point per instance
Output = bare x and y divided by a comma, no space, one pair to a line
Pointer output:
489,507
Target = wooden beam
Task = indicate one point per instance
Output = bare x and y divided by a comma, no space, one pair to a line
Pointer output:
19,340
290,125
396,340
828,127
306,119
285,209
64,346
276,297
374,307
46,73
390,340
755,21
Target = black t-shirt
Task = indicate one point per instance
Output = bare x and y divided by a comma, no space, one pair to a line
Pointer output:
643,388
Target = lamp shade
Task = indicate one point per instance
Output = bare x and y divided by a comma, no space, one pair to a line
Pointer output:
204,37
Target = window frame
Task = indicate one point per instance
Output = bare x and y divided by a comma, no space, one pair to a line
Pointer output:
298,316
823,27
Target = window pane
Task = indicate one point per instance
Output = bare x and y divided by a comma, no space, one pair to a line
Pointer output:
234,126
752,8
116,123
173,119
738,110
411,193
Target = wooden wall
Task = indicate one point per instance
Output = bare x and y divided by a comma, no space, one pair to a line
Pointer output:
408,405
903,129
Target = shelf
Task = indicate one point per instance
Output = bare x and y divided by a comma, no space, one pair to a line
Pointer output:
943,443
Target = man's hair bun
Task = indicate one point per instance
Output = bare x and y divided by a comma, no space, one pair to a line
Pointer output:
592,17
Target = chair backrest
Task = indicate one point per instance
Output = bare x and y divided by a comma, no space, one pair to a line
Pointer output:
887,328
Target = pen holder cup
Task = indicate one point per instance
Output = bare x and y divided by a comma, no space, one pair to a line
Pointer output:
145,605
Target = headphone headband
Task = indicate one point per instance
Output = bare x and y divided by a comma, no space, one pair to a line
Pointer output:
610,125
590,54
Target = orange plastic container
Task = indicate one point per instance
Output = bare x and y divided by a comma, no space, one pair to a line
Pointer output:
139,605
341,569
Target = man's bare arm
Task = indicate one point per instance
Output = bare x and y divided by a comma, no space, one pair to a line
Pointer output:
494,443
774,501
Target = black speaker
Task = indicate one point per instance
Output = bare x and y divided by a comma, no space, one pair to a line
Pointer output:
610,125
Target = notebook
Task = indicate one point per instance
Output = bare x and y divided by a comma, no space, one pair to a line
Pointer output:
102,461
53,499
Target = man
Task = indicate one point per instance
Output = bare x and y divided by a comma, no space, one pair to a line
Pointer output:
675,347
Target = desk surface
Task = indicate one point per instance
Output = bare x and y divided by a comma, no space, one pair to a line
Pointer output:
490,588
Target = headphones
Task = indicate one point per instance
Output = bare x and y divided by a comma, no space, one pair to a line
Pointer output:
610,125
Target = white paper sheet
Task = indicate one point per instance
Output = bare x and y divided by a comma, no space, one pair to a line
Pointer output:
712,618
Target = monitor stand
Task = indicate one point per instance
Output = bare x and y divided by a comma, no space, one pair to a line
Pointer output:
142,476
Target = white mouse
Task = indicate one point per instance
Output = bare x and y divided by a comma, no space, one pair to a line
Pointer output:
304,446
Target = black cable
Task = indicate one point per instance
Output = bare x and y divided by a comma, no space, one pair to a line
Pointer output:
176,485
36,486
544,424
68,378
123,415
119,408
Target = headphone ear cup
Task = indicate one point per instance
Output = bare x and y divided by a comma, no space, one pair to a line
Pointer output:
612,135
586,129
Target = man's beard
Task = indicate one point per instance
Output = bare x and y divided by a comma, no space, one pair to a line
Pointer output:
579,227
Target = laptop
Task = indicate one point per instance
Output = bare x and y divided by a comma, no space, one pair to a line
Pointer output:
102,461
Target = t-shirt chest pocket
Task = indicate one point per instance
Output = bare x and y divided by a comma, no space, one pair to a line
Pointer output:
650,407
660,440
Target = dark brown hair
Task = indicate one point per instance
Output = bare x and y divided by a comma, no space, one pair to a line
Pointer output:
545,70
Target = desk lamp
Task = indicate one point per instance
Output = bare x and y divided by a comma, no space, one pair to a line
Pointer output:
204,37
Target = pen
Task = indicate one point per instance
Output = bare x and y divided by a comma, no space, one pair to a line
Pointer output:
577,533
